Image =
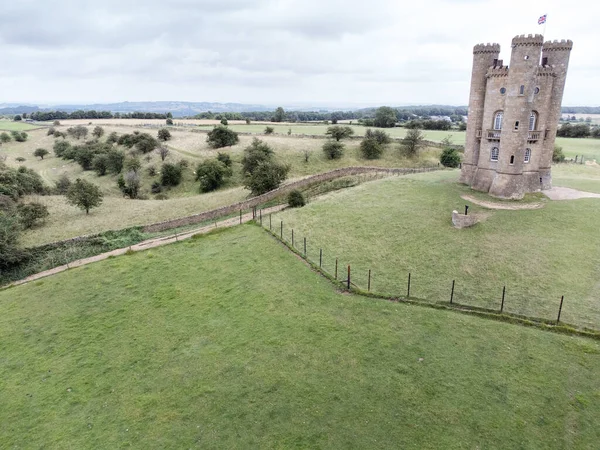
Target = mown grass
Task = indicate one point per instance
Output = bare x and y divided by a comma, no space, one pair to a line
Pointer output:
9,125
589,148
229,341
577,176
400,225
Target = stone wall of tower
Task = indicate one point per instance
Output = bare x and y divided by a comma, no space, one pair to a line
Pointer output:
484,56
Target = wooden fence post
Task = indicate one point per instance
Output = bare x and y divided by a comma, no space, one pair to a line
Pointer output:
408,291
292,237
348,277
270,223
281,235
503,294
304,247
336,266
320,258
369,282
452,294
560,309
260,217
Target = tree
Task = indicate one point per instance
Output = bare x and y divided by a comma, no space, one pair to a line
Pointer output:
385,117
224,121
129,184
169,121
40,152
146,143
10,229
164,135
62,184
221,136
19,136
32,214
84,195
557,155
5,137
112,138
78,132
211,174
279,115
115,159
379,135
225,159
163,152
266,176
296,199
247,121
413,141
17,118
338,133
171,174
133,164
98,132
51,131
371,149
269,130
56,123
257,152
450,157
100,164
333,149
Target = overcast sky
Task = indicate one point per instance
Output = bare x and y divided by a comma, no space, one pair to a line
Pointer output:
324,52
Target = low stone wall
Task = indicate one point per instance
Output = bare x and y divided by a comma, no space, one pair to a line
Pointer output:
463,221
283,190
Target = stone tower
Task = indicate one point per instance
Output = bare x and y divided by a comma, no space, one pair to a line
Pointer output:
513,116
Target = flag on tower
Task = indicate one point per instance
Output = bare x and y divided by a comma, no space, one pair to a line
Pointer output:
542,19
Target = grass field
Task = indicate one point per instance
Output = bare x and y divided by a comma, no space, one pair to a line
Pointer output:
401,225
9,125
229,341
577,176
589,148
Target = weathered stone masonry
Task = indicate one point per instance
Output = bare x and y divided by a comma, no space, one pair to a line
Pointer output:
513,116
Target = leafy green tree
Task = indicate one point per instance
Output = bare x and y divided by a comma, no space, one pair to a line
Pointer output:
100,164
60,147
269,130
17,118
84,155
133,164
171,174
333,149
212,174
32,214
112,138
557,155
379,135
169,121
19,136
385,117
40,152
338,132
221,136
146,143
10,230
413,142
247,121
56,123
450,157
225,159
296,199
224,121
164,135
265,177
279,115
62,184
78,132
84,195
130,184
371,149
5,137
115,160
98,132
257,152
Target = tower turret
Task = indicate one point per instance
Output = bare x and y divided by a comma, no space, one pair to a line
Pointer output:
484,57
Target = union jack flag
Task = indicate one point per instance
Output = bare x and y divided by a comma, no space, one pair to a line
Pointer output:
542,19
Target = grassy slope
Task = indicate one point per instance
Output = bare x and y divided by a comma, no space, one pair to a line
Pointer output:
402,225
9,125
230,342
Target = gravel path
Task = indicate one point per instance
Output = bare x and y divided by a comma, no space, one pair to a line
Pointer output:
493,205
145,245
565,193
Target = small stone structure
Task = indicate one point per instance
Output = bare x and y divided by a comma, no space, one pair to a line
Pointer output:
513,116
462,220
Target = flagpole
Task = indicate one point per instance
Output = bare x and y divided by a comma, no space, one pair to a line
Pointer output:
545,22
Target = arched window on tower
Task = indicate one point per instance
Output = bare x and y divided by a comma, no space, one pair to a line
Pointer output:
527,155
498,120
533,118
494,154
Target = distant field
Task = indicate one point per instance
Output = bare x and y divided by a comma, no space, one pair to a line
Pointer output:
229,341
589,148
9,125
400,225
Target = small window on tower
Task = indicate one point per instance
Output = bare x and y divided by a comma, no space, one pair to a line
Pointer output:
537,90
527,155
526,57
516,125
494,154
522,90
503,91
512,159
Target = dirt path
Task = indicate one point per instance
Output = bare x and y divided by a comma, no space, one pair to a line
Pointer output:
145,245
565,193
509,206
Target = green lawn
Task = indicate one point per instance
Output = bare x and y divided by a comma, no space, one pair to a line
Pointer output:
229,341
589,148
577,176
401,225
9,125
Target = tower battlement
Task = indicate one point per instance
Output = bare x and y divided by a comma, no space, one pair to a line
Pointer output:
562,45
486,48
497,72
545,71
531,40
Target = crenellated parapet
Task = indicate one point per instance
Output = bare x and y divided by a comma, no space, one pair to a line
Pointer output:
486,48
562,45
531,40
545,71
497,72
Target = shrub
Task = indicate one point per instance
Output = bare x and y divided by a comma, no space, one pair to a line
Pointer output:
413,142
225,159
115,160
183,163
17,118
156,187
112,138
56,123
296,199
171,174
19,137
5,137
32,214
10,228
51,131
152,171
338,133
371,149
163,152
20,159
265,177
146,143
40,152
132,164
129,184
557,155
62,184
269,130
60,148
77,132
84,195
164,135
378,135
98,132
450,157
224,121
258,151
333,149
221,136
169,121
100,164
58,134
211,174
247,121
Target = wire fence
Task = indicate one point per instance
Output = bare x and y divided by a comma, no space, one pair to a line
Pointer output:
505,300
